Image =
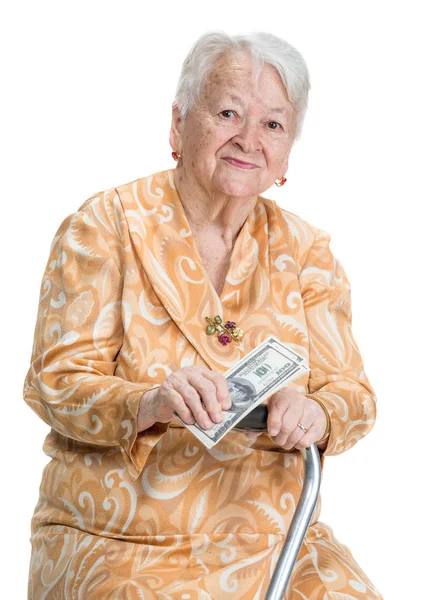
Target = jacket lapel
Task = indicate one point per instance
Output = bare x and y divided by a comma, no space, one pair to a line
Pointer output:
162,239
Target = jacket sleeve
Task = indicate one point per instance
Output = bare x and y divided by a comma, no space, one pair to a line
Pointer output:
337,375
71,383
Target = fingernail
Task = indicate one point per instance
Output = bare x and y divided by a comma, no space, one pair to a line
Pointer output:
273,431
218,417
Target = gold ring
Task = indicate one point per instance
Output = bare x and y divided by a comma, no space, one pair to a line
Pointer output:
301,426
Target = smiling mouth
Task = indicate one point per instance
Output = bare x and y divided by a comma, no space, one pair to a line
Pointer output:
239,164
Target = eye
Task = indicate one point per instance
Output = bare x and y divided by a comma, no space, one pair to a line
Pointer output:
274,125
227,113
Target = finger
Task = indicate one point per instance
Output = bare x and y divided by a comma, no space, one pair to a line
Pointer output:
208,394
290,420
313,434
278,404
184,411
192,399
315,417
173,402
222,389
308,439
298,434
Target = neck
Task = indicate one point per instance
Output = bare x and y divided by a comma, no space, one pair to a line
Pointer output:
211,211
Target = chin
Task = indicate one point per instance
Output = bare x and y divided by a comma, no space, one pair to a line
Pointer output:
238,187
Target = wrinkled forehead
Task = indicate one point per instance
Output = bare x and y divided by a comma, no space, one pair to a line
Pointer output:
232,65
242,73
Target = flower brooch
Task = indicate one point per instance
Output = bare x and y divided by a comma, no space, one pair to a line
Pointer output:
226,333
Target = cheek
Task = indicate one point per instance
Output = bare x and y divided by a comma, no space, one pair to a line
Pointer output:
277,154
208,142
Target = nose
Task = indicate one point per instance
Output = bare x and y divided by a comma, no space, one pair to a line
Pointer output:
247,139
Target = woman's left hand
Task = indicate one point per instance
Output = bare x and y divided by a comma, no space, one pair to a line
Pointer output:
288,408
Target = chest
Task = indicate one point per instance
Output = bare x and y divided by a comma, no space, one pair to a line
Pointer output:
168,295
216,264
215,256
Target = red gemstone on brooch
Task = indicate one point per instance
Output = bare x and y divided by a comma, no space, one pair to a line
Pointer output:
224,339
226,333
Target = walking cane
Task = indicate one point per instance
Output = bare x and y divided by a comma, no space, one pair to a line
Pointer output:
256,422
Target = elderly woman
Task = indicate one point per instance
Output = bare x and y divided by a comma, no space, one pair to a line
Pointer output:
131,504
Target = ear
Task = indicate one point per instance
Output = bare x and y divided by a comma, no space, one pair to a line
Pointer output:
175,130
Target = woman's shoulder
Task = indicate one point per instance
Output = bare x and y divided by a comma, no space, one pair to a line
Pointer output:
107,208
293,228
102,222
151,183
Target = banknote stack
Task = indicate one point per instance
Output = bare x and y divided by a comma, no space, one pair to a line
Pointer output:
263,371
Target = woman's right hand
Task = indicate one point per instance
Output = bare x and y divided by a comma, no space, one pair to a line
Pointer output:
196,394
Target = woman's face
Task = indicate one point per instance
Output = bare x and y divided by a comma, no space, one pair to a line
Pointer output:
237,119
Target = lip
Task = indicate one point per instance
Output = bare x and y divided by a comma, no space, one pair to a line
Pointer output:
240,164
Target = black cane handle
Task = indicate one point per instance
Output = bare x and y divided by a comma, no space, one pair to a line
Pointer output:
256,420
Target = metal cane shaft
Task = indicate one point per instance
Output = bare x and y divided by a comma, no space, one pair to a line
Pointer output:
299,524
257,421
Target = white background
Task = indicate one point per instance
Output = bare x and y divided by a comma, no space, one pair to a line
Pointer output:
86,104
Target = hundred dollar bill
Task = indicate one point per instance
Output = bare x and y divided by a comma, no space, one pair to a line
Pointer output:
258,375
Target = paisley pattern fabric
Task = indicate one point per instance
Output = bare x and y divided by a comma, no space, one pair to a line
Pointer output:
123,302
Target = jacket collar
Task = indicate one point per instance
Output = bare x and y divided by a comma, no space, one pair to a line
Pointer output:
161,236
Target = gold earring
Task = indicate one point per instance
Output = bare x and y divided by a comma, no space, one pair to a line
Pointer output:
280,182
175,155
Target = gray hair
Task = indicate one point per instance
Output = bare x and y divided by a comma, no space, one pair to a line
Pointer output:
265,48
